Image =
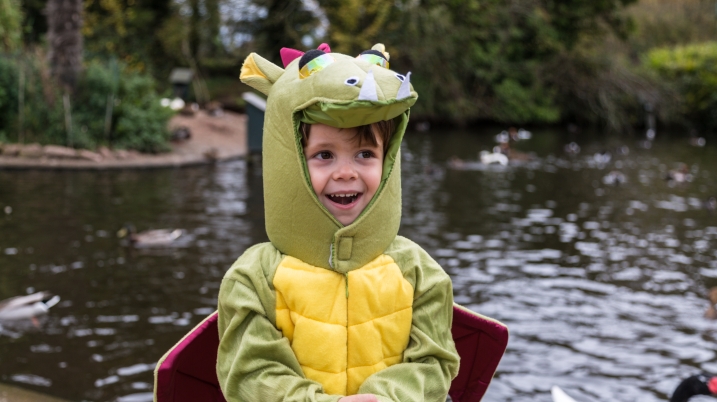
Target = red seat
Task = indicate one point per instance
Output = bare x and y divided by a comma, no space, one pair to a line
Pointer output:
187,372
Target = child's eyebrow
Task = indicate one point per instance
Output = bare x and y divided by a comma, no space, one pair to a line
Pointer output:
321,145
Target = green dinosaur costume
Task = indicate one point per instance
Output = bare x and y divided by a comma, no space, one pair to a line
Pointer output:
326,310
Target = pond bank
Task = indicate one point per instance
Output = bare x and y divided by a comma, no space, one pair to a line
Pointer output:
213,139
9,393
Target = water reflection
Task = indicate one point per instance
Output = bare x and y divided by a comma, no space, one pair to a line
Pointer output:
602,284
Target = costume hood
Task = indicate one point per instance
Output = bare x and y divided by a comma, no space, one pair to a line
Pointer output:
341,91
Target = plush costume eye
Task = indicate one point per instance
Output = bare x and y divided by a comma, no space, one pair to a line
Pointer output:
312,62
374,57
351,81
401,77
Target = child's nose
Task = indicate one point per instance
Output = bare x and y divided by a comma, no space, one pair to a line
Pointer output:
345,171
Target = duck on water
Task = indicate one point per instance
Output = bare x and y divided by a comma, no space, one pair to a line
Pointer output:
701,384
27,307
149,238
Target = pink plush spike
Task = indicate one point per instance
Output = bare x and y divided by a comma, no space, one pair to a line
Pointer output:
288,55
324,47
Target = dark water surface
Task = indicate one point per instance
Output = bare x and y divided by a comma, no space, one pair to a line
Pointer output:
602,287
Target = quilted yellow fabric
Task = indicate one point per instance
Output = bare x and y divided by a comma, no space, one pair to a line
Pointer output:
341,334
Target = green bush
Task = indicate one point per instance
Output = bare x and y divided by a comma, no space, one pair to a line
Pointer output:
692,72
10,23
137,120
519,104
141,121
38,115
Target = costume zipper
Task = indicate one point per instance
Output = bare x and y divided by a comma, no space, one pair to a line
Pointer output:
347,285
331,255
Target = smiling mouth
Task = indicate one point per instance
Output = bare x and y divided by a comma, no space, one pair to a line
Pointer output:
343,199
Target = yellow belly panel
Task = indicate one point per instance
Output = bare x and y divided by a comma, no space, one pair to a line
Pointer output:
338,340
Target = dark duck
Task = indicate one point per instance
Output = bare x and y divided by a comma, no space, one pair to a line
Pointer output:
701,384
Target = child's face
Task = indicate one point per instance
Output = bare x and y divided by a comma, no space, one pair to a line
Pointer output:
345,176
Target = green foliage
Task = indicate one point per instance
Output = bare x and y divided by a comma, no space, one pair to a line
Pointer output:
137,120
141,120
520,104
10,24
692,71
476,59
355,25
39,115
130,31
515,62
35,23
661,23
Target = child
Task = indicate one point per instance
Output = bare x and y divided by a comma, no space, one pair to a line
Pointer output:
336,306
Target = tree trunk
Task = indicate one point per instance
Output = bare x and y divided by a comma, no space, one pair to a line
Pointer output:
64,22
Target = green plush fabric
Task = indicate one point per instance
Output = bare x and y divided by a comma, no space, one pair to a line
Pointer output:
430,362
256,363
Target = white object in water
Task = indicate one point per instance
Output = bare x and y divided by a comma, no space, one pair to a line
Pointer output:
176,104
26,307
487,158
524,134
573,148
559,395
614,178
602,158
503,137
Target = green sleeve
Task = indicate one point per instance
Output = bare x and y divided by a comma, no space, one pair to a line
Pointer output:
255,361
430,362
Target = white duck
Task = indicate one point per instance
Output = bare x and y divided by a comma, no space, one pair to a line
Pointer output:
559,395
488,158
27,307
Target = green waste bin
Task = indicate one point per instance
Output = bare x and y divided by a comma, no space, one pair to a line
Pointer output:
255,108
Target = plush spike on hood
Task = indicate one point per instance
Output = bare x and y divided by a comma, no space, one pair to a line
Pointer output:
368,89
405,90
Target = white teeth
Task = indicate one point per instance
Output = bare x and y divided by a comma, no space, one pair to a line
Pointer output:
344,195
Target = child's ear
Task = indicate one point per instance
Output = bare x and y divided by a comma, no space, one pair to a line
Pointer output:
259,73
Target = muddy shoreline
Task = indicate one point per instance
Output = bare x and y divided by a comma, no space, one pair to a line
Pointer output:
213,139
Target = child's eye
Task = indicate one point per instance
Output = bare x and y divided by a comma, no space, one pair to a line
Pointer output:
365,154
323,155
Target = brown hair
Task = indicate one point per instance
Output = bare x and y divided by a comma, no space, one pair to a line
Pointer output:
367,133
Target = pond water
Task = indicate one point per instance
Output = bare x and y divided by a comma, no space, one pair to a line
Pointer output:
603,287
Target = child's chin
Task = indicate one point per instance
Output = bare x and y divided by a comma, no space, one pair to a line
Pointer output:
345,219
343,216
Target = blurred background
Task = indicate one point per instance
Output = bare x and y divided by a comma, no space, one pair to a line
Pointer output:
560,165
601,62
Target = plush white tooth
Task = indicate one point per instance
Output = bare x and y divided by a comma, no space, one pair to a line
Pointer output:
368,89
404,91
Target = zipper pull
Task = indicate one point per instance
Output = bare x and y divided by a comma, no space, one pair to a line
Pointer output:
347,285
